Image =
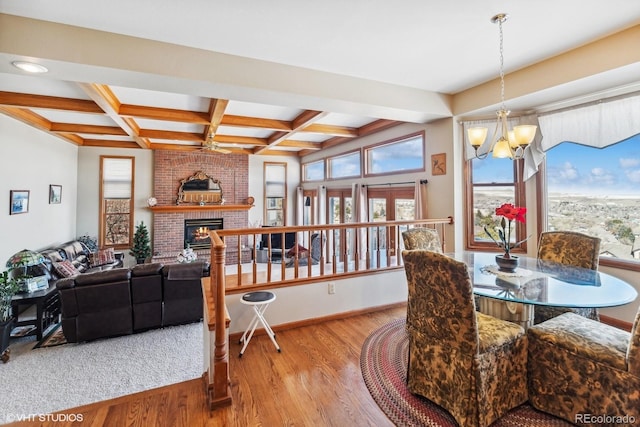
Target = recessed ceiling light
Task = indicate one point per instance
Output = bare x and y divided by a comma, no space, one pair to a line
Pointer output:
30,67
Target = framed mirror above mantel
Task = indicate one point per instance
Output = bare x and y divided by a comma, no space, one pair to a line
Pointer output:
200,192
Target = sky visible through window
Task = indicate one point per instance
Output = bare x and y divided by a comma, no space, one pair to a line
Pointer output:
578,169
397,156
613,170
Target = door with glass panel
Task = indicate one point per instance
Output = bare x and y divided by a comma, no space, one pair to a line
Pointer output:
340,211
389,204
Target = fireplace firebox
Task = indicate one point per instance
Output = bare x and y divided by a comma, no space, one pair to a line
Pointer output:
196,232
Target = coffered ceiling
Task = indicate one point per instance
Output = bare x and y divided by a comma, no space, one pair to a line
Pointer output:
98,115
286,77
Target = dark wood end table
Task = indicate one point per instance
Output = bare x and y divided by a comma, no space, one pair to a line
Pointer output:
47,302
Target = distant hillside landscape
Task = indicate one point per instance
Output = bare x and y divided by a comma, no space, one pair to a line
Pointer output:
615,219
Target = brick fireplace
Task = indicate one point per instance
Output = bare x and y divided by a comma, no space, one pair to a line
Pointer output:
170,167
196,231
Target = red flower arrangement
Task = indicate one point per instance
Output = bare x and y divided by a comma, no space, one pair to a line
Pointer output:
508,212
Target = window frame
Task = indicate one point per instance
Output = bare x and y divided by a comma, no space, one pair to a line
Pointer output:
520,200
390,195
330,177
102,204
271,204
324,171
542,215
367,149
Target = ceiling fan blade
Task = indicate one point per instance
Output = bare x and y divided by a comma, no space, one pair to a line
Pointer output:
214,147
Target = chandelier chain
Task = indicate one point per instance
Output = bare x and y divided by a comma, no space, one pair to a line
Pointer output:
500,21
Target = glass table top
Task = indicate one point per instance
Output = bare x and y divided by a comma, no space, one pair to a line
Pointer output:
545,283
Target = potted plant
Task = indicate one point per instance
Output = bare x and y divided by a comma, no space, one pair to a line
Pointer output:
141,249
8,288
507,262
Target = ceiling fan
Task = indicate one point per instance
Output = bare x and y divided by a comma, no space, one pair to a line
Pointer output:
211,145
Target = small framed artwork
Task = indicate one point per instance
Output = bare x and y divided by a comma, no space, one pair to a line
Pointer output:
55,194
19,203
439,164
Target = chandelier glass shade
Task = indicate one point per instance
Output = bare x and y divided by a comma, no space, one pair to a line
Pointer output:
509,143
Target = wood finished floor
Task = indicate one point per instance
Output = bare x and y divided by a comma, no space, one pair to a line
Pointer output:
315,381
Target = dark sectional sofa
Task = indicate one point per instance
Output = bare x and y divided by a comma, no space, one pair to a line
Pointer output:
76,253
123,301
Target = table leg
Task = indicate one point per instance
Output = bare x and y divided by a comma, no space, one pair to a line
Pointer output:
519,313
39,310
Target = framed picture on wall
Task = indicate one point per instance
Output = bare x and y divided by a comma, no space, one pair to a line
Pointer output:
439,164
19,202
55,194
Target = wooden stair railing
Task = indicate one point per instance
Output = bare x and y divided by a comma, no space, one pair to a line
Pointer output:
217,320
216,315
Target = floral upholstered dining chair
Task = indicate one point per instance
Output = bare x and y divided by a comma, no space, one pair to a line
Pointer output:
578,367
471,364
570,248
422,238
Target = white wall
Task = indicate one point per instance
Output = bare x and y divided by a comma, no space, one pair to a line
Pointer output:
32,160
89,187
296,303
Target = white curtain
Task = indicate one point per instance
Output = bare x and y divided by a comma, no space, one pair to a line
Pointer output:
533,154
420,199
299,206
321,206
597,125
359,200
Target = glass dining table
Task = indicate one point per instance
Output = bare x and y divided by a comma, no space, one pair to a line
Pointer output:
514,295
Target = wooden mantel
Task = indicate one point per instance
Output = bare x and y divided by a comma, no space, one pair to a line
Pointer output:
198,208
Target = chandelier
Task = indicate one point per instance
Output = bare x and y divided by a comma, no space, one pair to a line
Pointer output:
510,143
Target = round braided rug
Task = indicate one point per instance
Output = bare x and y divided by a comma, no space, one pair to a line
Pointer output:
383,362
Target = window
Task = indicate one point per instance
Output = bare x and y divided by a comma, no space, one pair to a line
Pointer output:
596,191
344,166
275,194
389,204
397,156
490,183
313,171
116,201
340,211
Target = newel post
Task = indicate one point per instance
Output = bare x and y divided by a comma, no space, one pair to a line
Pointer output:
219,390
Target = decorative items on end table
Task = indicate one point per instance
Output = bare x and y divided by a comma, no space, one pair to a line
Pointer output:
508,212
8,288
141,249
187,255
20,262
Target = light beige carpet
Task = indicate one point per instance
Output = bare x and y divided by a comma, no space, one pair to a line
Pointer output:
49,379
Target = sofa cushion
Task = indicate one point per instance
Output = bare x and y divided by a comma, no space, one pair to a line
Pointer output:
186,271
146,269
103,276
65,268
52,255
72,249
102,257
